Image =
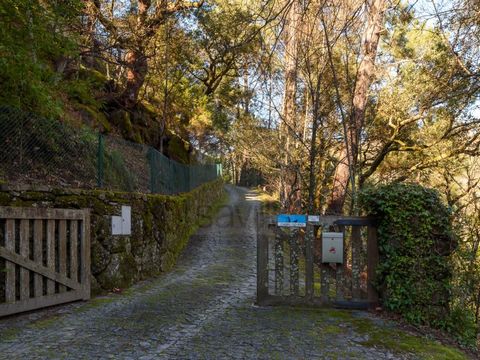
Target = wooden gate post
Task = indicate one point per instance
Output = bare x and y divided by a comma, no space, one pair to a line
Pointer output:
262,262
309,243
373,258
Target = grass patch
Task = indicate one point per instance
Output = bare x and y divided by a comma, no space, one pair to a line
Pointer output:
376,335
398,341
9,334
45,323
94,303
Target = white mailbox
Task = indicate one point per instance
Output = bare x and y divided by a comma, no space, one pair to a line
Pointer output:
332,247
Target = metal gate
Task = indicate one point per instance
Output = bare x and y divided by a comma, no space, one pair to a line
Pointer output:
290,270
44,258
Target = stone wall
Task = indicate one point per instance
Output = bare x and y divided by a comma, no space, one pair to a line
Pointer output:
161,227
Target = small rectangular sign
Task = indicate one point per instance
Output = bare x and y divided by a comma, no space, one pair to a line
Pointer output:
313,218
122,225
287,220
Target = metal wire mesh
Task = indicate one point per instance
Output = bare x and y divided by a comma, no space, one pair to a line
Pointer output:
41,151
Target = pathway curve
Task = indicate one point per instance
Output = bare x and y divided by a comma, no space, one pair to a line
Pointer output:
203,309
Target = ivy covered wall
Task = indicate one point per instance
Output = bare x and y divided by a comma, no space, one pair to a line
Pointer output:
415,243
161,227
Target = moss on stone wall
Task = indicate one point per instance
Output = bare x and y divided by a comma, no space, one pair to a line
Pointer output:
161,227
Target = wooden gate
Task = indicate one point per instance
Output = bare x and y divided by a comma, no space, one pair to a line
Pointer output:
290,270
44,258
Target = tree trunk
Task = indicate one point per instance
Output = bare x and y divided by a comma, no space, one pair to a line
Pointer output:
136,61
347,172
137,67
289,182
90,34
340,185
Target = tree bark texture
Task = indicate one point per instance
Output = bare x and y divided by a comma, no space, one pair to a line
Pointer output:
347,170
290,197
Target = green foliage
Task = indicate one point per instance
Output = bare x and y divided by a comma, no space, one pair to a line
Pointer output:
117,172
33,41
461,324
415,241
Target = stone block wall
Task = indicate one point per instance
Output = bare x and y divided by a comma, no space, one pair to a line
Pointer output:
161,227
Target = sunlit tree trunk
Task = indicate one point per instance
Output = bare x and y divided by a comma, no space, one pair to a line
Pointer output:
289,182
347,168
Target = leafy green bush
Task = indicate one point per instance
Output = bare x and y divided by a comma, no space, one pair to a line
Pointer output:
35,36
461,323
415,241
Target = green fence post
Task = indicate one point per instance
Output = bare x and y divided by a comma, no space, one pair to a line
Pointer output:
100,160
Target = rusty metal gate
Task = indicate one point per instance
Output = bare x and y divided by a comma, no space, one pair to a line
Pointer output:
44,257
290,270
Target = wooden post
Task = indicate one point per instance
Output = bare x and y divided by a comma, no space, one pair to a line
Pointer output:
51,254
324,278
340,271
86,254
37,255
10,293
62,251
73,250
356,261
294,253
24,252
373,258
279,248
262,263
310,230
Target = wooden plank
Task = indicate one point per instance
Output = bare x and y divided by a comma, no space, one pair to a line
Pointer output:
10,276
40,213
37,255
294,239
28,264
62,251
356,262
273,300
309,281
85,238
340,271
355,221
324,279
51,254
279,264
36,303
73,250
372,262
24,253
262,263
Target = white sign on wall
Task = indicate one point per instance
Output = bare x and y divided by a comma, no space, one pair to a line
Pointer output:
122,225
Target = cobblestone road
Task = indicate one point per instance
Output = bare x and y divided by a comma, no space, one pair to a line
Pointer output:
201,310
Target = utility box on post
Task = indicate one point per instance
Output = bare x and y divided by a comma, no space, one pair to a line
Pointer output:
332,247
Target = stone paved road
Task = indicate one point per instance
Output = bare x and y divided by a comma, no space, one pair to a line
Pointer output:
201,310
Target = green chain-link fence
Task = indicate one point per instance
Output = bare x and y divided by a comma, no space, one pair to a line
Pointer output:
40,151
